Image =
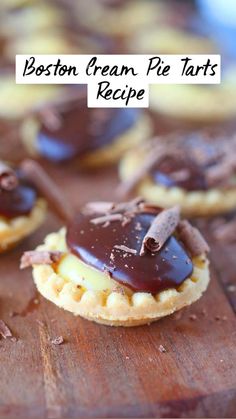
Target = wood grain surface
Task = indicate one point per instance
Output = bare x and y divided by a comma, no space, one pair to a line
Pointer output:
101,371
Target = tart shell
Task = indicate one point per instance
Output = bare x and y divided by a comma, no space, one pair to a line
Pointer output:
116,308
192,203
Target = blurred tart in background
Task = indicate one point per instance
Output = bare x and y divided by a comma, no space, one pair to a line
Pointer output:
122,264
25,192
22,209
68,131
196,171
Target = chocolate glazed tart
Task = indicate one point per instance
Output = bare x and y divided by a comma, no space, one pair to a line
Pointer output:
195,170
68,131
122,264
22,210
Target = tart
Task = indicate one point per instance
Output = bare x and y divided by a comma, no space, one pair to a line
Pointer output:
195,171
22,210
69,131
122,264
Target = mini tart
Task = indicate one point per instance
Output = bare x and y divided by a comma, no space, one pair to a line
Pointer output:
103,299
193,203
13,230
106,154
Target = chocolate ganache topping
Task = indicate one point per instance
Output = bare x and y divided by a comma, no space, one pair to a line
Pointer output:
18,199
196,162
71,130
123,243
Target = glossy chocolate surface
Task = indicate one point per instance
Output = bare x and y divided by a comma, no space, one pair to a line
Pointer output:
198,155
94,245
165,175
19,201
81,130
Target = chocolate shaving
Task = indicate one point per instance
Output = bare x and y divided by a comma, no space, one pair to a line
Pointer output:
36,257
98,207
47,188
125,249
8,178
106,219
149,208
163,225
192,239
114,212
128,207
103,207
4,330
58,340
154,157
162,349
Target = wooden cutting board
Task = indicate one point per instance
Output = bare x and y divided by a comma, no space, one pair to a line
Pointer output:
115,372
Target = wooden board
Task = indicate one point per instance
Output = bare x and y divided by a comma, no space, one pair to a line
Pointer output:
115,372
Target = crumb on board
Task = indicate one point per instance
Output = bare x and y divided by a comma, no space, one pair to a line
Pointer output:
162,349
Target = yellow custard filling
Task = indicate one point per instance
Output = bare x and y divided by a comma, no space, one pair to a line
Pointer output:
74,270
71,268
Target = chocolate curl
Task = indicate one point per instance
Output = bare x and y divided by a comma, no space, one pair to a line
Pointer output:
192,239
155,156
8,178
128,207
35,173
163,225
36,257
4,330
125,249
